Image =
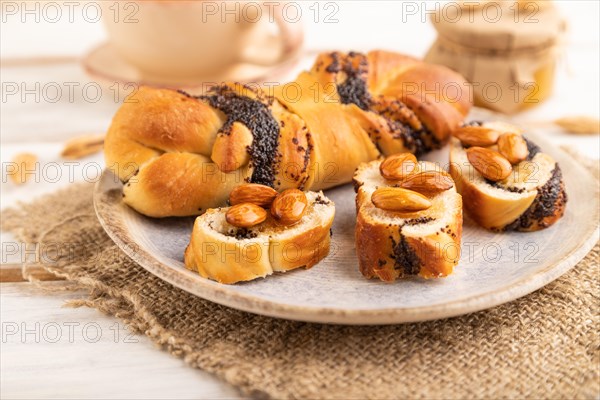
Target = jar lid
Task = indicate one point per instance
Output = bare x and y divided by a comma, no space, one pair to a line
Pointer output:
500,25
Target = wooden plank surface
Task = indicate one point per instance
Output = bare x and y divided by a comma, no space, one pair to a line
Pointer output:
51,351
14,273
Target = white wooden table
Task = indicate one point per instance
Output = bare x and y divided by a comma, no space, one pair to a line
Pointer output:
48,351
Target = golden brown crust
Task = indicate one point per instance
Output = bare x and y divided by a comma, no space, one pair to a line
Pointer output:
347,109
153,121
302,251
424,88
180,184
439,96
385,66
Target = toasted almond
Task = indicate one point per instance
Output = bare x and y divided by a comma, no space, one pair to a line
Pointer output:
489,163
254,193
493,147
476,135
289,206
398,166
245,215
398,199
22,167
502,127
428,183
230,150
82,146
582,125
513,147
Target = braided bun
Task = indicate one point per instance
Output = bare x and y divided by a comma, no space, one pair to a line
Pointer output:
180,155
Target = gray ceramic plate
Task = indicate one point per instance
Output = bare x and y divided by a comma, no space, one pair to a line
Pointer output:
494,268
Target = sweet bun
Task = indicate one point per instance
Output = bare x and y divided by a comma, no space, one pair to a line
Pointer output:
179,154
396,244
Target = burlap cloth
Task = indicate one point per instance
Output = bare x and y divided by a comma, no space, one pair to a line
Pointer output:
544,345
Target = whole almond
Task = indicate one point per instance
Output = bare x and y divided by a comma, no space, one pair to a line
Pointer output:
398,199
476,135
398,166
254,193
502,127
245,215
489,163
289,206
230,150
428,183
579,124
82,146
513,147
22,168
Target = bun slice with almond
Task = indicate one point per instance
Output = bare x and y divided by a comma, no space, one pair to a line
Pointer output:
409,219
261,233
506,181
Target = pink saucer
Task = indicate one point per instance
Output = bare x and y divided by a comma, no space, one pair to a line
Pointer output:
104,64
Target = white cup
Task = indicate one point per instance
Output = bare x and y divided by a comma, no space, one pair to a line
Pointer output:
198,39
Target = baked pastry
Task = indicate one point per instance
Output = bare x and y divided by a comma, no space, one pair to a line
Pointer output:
180,155
245,242
506,181
407,224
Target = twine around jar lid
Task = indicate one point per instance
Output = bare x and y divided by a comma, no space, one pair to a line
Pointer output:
499,27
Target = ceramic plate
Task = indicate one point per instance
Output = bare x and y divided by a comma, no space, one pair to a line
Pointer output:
494,268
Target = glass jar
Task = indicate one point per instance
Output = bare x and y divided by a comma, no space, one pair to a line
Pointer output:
507,52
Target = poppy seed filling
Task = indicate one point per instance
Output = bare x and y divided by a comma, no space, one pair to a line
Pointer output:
532,149
405,258
354,89
420,141
548,199
255,114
